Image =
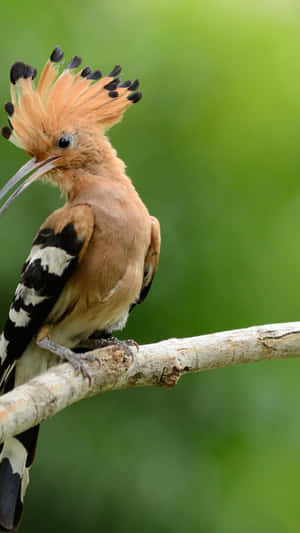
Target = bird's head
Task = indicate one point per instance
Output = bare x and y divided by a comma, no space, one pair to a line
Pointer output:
60,121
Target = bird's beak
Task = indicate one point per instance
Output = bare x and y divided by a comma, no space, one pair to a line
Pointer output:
41,167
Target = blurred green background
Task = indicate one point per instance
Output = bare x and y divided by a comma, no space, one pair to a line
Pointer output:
213,149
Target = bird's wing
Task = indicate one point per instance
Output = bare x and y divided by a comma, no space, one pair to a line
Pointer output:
58,247
151,260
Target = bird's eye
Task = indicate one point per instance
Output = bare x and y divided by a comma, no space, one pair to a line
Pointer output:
64,142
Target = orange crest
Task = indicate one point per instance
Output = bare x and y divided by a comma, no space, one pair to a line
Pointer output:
60,102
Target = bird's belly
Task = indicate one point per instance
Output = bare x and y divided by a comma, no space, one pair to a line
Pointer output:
94,311
71,332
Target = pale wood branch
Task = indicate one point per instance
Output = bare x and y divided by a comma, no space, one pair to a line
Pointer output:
159,364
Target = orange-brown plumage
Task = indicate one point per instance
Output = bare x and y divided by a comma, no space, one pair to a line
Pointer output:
62,102
92,260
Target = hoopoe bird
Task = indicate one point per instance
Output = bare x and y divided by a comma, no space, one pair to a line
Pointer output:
92,260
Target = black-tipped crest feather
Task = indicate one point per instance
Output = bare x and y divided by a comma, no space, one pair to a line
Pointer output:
17,71
96,75
134,86
56,55
86,71
126,83
9,108
28,71
112,85
134,97
74,63
115,71
6,132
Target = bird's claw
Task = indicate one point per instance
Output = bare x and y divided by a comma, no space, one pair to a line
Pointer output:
102,342
75,358
131,342
126,346
77,361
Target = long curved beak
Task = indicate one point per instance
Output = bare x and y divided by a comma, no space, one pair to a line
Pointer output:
41,167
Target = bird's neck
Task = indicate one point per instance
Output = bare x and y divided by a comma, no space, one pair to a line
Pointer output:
107,167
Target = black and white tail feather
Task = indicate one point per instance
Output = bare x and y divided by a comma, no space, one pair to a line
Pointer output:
50,263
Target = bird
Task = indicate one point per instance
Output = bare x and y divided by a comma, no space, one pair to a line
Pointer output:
92,260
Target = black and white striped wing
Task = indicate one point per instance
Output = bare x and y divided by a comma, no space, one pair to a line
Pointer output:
56,250
50,263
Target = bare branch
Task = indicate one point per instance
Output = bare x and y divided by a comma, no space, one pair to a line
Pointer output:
159,364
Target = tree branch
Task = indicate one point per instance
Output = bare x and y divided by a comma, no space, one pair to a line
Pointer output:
160,364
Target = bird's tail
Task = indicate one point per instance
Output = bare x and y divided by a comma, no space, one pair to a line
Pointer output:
16,457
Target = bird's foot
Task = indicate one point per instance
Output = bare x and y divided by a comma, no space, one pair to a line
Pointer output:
76,359
94,343
125,345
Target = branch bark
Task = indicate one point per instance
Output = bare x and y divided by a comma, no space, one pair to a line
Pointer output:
159,364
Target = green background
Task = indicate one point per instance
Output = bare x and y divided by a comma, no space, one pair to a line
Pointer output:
213,149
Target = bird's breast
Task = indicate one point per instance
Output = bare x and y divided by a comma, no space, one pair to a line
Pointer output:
109,277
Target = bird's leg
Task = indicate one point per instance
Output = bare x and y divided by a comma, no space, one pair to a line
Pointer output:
76,359
101,340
